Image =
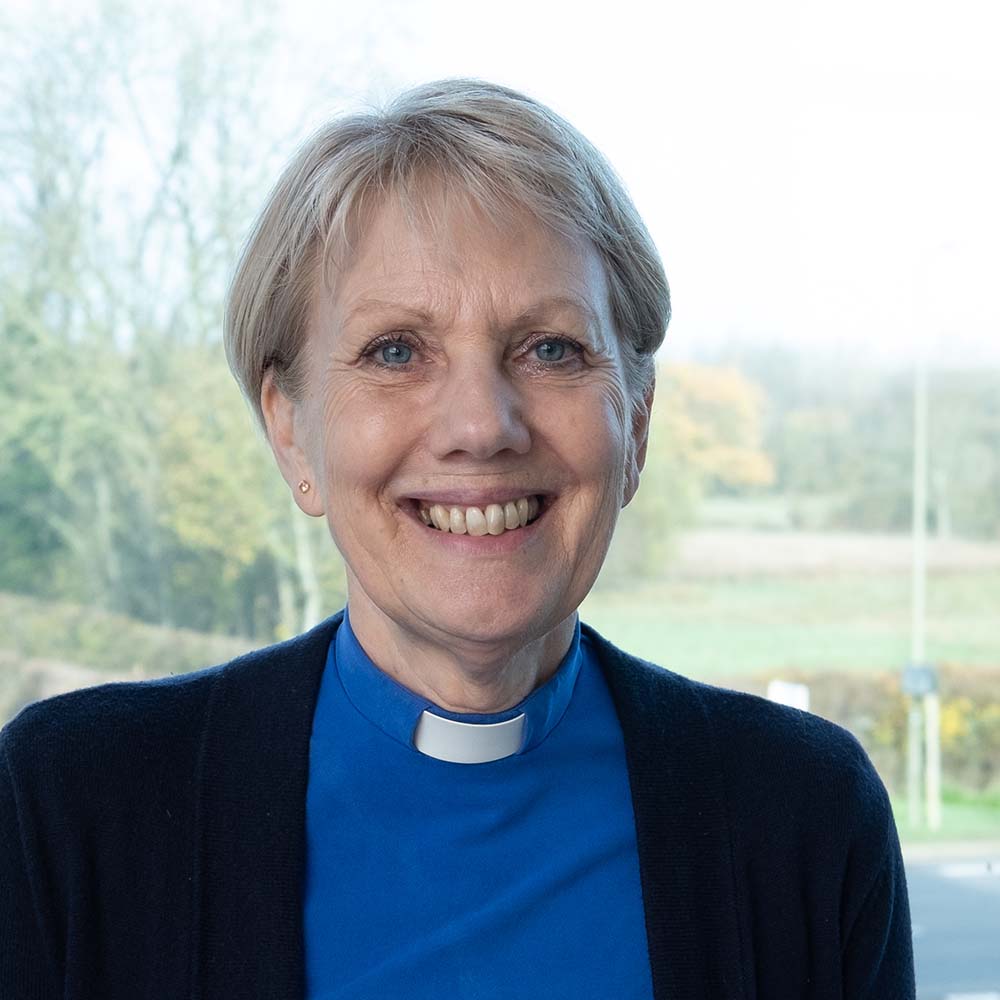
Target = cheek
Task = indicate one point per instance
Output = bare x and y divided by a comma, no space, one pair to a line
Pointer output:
591,434
366,436
609,418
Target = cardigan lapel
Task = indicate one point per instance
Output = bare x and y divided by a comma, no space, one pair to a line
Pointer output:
686,861
253,774
254,770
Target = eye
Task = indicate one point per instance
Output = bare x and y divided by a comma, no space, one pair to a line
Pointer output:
391,350
553,350
394,353
550,350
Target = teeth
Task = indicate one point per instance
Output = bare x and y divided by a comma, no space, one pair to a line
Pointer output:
510,518
522,511
440,517
456,521
494,520
475,522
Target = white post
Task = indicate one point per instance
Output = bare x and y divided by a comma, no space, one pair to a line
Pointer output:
914,745
918,652
931,709
918,585
932,723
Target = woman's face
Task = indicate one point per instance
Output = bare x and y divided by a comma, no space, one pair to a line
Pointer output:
467,366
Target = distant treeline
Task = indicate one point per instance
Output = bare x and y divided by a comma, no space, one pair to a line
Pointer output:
840,435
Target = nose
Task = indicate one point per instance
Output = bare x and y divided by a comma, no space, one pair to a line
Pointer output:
478,411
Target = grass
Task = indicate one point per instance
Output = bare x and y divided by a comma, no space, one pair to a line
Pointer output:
736,631
76,633
728,627
964,817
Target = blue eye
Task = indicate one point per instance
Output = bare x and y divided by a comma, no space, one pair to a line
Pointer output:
395,354
550,350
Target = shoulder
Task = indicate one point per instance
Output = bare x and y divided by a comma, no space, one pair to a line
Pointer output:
92,721
119,724
780,760
759,732
771,757
746,721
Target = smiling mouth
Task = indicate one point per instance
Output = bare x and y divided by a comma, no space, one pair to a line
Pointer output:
492,519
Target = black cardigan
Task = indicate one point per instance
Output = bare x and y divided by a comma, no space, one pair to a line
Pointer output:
152,839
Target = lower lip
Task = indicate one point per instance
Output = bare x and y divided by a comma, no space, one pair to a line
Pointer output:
509,541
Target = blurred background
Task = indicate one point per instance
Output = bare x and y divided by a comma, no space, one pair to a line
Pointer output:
819,519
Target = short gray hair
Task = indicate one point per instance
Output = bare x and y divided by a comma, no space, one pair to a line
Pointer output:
504,149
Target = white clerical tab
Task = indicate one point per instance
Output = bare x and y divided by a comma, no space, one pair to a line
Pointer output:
467,742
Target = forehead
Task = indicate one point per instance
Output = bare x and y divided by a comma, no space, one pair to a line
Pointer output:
446,251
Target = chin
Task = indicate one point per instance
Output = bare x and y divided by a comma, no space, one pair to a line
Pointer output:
469,624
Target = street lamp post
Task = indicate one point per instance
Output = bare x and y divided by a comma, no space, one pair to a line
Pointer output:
919,678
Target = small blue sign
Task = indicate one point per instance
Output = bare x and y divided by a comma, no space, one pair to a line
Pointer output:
919,679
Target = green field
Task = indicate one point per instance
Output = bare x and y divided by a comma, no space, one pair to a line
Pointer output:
713,628
740,631
728,627
964,817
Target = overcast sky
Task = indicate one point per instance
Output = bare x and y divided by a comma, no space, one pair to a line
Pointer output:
811,171
820,173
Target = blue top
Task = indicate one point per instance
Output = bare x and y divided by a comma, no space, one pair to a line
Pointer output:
512,878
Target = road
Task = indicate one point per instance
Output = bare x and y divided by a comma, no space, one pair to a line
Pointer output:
955,911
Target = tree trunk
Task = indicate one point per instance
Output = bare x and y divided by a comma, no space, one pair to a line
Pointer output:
312,608
105,541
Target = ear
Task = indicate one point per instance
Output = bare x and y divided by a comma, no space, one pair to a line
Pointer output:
637,445
285,432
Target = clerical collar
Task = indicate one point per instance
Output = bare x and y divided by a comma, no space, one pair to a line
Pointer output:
461,738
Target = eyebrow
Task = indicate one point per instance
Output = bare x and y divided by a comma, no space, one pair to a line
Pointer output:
533,314
556,303
367,306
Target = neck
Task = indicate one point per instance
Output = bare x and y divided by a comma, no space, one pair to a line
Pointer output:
457,673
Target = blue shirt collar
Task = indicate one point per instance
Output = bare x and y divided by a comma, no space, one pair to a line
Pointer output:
396,709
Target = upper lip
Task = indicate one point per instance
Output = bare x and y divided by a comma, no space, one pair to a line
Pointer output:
475,498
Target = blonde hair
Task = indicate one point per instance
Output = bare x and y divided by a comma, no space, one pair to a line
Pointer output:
503,149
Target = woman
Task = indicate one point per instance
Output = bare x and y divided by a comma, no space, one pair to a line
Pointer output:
445,319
